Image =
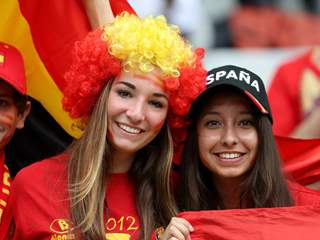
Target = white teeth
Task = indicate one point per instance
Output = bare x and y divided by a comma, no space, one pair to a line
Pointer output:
229,155
129,129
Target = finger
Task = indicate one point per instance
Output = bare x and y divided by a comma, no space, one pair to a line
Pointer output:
175,232
182,228
174,238
183,222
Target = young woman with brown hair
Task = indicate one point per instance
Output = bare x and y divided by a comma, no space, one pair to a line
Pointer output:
131,84
230,158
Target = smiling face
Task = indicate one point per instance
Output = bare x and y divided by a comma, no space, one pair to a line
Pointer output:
137,109
10,118
227,136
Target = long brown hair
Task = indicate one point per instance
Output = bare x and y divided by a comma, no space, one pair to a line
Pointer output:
265,184
89,166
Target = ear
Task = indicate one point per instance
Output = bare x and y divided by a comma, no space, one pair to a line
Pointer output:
22,116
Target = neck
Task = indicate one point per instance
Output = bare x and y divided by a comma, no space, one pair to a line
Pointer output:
122,161
230,192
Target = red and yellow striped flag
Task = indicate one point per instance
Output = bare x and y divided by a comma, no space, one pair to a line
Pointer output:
44,32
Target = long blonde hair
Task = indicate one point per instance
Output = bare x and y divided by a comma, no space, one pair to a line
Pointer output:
89,165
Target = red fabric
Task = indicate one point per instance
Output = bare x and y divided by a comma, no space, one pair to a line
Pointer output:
122,216
40,205
294,223
304,196
5,204
118,6
63,23
301,158
284,95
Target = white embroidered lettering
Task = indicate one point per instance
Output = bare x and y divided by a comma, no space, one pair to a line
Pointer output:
220,74
232,74
244,76
255,84
210,79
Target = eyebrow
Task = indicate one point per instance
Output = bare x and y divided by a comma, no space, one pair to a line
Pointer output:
133,87
217,113
161,95
129,85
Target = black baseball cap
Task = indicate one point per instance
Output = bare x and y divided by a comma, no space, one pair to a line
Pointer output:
241,79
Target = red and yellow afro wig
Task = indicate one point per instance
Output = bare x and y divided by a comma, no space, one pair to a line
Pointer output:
138,44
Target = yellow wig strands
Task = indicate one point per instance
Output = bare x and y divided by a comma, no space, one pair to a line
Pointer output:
144,44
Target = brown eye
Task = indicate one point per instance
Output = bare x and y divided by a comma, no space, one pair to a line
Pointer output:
156,104
4,103
246,123
124,93
213,124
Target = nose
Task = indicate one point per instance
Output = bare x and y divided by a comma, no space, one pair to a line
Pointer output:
136,111
229,136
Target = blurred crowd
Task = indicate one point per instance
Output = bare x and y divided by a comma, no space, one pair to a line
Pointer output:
241,23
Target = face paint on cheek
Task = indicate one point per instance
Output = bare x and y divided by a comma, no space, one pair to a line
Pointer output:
6,118
159,125
7,127
6,131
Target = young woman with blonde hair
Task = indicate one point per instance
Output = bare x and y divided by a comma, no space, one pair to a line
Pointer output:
130,85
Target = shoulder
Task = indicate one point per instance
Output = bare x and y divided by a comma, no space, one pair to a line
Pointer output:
303,195
42,172
296,64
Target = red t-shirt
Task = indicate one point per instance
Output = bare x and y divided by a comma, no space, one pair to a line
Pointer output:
287,93
41,205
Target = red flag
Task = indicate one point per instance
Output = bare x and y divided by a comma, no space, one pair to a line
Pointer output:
301,158
118,6
294,223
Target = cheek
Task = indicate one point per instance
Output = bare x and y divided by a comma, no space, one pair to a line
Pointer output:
159,125
209,138
157,120
251,140
8,123
110,134
205,145
8,119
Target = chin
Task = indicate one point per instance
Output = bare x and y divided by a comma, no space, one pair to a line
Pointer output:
232,174
127,147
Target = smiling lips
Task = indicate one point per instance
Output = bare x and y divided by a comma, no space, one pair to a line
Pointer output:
129,129
230,157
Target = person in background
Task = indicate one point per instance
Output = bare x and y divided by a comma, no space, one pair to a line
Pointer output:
14,108
295,96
